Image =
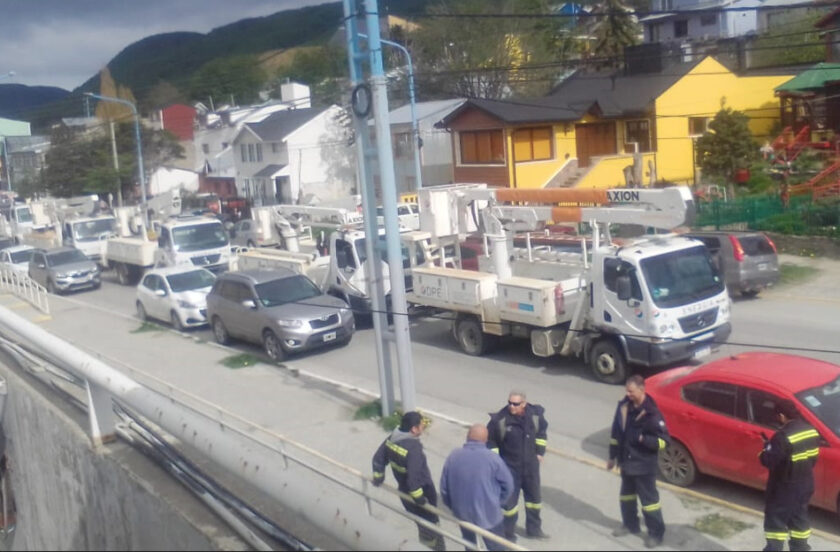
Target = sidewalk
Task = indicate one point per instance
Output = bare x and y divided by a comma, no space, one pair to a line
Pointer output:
580,499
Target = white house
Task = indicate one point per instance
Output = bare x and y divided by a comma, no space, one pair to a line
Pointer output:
436,151
296,155
693,20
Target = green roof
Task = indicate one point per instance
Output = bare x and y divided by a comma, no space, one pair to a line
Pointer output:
813,78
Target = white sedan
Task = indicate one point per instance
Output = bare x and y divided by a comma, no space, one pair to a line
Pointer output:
16,259
176,294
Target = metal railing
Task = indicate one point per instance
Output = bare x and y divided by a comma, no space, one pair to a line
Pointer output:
225,430
26,288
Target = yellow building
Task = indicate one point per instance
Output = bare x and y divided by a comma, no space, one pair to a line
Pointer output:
586,132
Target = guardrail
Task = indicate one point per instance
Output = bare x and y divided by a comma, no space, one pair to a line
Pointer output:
26,288
259,455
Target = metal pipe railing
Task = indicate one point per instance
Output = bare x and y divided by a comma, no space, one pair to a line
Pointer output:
236,443
26,288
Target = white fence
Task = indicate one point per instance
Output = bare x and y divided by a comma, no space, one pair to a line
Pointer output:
26,288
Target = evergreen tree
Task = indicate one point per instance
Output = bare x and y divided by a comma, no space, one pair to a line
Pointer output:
616,28
726,147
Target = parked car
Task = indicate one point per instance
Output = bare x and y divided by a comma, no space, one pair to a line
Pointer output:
175,294
747,260
284,311
63,269
408,215
244,233
716,414
16,259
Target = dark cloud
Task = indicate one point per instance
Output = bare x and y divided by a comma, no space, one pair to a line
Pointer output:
65,42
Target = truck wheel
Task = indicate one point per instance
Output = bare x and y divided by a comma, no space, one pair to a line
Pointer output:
123,277
750,293
470,338
676,465
273,347
607,363
51,287
251,244
220,332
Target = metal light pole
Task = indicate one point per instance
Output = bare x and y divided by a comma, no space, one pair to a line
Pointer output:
140,172
5,144
415,130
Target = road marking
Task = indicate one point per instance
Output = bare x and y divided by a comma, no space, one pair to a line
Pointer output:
42,318
17,306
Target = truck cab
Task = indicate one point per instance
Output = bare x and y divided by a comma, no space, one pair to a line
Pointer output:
193,240
89,234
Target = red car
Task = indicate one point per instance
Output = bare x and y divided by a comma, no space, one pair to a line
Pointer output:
717,412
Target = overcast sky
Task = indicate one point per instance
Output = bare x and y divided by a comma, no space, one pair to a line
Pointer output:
64,42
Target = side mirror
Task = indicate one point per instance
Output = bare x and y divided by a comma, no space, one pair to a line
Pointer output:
41,265
249,304
160,293
622,284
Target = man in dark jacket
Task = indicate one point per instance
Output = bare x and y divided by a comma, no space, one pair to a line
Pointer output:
638,434
404,453
790,455
518,433
475,482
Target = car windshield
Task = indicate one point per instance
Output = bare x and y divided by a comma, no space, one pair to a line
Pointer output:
21,256
286,290
194,279
199,236
681,277
824,403
361,243
91,230
66,257
23,214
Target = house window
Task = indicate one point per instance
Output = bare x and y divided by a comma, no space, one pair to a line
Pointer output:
244,150
680,28
697,126
251,157
205,148
638,132
402,144
708,19
259,153
532,144
482,147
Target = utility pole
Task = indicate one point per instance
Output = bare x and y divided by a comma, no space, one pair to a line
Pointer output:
116,164
367,98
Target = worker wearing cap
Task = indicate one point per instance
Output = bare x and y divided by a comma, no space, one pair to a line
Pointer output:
403,451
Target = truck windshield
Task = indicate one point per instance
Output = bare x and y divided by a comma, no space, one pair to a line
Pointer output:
66,257
681,277
194,279
199,236
92,230
286,290
383,252
23,214
824,402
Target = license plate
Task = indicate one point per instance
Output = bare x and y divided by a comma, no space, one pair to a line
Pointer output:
762,266
329,336
702,352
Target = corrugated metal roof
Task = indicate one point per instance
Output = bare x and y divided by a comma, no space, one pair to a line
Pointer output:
278,125
813,78
268,171
425,110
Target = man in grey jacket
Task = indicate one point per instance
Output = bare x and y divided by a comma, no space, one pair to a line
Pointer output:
474,484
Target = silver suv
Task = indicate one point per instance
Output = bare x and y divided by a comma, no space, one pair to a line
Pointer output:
284,311
63,269
747,260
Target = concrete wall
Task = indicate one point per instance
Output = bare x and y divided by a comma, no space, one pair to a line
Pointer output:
71,496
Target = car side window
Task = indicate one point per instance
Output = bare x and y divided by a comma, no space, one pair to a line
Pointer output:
711,243
613,268
344,254
246,226
149,282
761,408
223,289
713,395
403,210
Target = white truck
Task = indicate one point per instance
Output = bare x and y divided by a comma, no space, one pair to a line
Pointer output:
191,240
650,301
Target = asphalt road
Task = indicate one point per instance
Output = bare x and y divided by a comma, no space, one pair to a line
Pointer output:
799,319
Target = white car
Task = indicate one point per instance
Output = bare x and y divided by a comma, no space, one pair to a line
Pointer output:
16,259
176,294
